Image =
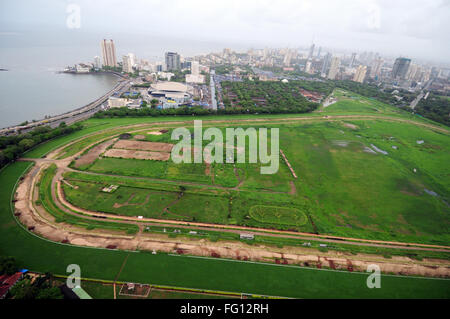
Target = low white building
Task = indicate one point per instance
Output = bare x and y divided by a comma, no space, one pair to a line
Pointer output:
82,68
117,102
195,78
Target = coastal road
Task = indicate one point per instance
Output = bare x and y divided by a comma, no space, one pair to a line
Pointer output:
76,115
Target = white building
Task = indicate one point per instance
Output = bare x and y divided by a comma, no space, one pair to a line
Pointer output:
109,53
376,67
360,74
133,60
127,66
195,68
97,62
195,78
308,67
171,94
82,68
117,102
334,68
165,75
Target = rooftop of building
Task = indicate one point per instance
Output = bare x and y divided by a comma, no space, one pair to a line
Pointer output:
169,87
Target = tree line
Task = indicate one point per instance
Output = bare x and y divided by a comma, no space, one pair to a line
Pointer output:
13,146
435,108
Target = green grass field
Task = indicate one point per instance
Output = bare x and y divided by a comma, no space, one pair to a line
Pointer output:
355,179
38,254
345,185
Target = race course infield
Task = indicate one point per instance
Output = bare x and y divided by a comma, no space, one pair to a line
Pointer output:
40,254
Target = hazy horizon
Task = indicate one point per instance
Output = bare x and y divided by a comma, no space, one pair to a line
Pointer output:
415,29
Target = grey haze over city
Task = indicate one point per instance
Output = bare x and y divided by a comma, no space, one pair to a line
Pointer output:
413,28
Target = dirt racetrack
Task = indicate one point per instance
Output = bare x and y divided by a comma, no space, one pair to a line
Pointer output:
44,226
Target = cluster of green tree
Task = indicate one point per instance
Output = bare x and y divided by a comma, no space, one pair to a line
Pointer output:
407,97
199,111
367,90
12,147
8,265
295,73
223,69
142,85
271,94
179,76
40,289
112,68
435,108
207,78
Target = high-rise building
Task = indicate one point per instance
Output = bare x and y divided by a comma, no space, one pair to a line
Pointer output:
360,74
195,68
308,67
132,58
412,71
109,53
352,60
172,61
334,68
318,52
400,68
127,66
97,62
376,67
287,58
326,64
311,51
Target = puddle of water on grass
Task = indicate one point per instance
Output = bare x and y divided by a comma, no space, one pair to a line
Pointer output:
341,143
378,150
430,192
369,150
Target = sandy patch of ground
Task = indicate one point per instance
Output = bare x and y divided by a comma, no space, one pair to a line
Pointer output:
93,153
139,137
144,155
68,184
144,146
352,126
288,164
292,190
155,133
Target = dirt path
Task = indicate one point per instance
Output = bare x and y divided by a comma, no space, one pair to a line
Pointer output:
148,241
305,236
288,164
293,190
255,230
237,250
93,153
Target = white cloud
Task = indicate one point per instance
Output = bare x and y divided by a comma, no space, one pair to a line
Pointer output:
384,25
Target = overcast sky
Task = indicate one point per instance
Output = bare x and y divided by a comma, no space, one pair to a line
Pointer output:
414,28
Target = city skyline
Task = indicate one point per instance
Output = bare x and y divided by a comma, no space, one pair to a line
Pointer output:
391,29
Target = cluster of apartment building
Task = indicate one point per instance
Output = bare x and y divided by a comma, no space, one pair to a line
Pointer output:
371,67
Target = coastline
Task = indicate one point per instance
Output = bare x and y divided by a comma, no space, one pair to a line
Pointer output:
71,114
